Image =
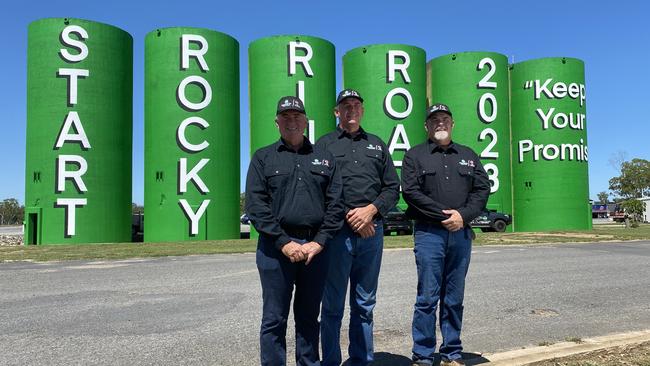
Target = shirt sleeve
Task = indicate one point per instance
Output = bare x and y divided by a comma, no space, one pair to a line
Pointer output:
389,194
334,209
478,196
414,195
258,204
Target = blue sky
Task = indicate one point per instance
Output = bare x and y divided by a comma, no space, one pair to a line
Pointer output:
611,38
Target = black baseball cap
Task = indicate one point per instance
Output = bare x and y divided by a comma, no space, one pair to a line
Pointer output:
438,107
290,103
348,93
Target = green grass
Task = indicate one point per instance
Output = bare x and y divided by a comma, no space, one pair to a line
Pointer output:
614,232
43,253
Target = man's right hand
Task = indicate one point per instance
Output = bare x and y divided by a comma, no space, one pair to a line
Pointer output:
293,251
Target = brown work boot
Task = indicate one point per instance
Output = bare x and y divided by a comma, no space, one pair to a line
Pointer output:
457,362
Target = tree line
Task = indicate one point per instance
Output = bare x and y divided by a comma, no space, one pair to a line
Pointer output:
11,212
632,183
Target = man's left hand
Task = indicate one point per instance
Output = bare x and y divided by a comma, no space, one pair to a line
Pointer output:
361,216
454,222
310,250
367,231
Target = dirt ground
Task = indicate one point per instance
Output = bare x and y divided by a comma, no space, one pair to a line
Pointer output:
630,355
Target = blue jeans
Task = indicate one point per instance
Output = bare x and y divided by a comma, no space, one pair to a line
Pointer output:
442,259
278,277
357,260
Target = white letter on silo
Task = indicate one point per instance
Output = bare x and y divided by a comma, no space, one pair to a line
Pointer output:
76,44
392,66
187,52
194,217
304,60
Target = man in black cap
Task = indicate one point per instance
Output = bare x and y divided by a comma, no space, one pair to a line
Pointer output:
293,191
445,187
370,190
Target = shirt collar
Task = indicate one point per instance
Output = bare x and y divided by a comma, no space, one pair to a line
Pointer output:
307,147
433,147
343,133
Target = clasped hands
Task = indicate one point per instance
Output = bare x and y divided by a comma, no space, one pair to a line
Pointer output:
300,252
361,221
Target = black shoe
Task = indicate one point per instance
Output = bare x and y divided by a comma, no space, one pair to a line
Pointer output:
422,363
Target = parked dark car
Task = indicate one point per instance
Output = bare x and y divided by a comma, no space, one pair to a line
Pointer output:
395,221
137,227
492,221
243,219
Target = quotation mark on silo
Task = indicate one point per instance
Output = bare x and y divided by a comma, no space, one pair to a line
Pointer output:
529,84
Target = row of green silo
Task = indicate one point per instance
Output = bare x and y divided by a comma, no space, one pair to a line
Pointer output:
526,121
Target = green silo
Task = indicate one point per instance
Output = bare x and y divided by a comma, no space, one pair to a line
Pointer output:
475,87
79,132
290,65
392,81
191,135
549,145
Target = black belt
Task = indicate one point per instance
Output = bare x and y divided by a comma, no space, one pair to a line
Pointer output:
305,233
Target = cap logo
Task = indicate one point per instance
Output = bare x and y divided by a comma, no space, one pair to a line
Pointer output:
286,103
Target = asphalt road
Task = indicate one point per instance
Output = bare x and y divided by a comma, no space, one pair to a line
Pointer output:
205,310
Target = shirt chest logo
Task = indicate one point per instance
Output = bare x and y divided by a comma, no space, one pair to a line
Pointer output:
469,163
373,147
323,162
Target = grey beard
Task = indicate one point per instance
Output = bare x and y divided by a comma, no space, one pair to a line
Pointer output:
441,135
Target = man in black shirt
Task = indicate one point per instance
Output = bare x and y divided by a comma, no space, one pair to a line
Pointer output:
293,191
445,187
370,190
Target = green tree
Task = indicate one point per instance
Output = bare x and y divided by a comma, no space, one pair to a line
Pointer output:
603,197
11,212
135,208
634,208
634,181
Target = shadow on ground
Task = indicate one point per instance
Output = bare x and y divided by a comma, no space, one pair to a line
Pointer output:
389,359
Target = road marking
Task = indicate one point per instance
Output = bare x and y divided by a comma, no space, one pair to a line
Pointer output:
51,270
97,266
236,274
562,349
135,260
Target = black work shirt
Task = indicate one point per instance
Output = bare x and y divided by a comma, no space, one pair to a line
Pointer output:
286,189
367,169
436,179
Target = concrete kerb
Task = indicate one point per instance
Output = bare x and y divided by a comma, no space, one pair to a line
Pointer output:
563,349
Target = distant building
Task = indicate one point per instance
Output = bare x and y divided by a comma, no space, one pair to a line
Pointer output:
646,208
601,211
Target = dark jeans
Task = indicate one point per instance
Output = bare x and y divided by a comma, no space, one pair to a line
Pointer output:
442,259
278,277
357,261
